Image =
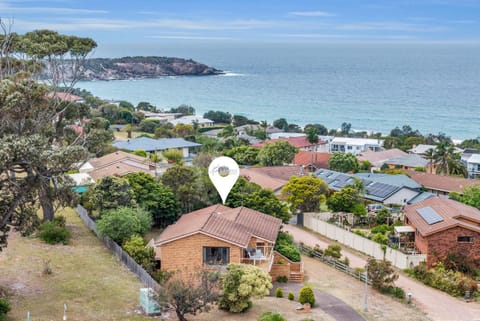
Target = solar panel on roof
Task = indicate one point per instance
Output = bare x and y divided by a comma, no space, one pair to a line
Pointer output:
380,190
429,215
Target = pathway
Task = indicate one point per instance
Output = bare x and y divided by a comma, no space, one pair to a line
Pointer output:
333,306
437,305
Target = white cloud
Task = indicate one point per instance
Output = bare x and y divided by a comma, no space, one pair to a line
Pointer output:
311,14
6,9
390,26
186,37
112,24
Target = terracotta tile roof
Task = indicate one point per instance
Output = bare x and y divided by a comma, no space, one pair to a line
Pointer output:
271,177
299,142
116,157
453,214
304,158
442,183
235,226
118,169
66,96
377,159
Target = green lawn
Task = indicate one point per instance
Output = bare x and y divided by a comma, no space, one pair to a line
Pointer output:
86,276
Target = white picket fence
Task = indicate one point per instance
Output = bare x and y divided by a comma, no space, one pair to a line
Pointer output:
362,244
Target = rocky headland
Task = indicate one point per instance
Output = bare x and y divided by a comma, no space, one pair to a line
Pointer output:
143,67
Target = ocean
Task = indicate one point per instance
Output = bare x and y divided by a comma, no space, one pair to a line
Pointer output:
431,87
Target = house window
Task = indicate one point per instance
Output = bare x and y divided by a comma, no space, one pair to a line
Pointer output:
216,255
465,239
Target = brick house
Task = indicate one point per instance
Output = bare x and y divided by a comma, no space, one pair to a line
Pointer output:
444,226
215,236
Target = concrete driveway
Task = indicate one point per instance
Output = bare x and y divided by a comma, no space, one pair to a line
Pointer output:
437,305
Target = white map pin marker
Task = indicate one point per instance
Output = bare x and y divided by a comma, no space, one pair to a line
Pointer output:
223,172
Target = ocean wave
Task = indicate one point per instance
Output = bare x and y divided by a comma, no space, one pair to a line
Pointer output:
232,74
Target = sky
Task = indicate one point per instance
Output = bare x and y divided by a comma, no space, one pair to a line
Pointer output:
140,21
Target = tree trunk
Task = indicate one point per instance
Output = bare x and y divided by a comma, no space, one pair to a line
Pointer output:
180,315
46,202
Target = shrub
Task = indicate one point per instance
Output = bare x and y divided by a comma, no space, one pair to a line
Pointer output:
380,238
47,270
381,273
394,291
334,251
381,229
143,255
282,279
281,261
52,233
122,223
241,283
306,295
454,283
290,251
4,307
291,296
60,220
271,316
279,293
346,261
361,233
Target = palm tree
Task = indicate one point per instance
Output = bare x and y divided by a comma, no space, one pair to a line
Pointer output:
430,155
447,161
442,156
312,138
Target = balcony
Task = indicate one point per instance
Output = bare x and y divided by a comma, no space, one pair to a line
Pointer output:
261,256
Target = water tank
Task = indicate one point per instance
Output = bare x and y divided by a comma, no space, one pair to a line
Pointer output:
147,301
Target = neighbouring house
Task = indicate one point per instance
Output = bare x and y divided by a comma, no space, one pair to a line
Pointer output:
285,135
473,166
444,226
312,161
410,161
67,97
442,185
380,189
118,163
157,145
271,177
377,159
300,142
467,152
191,120
82,181
421,149
161,117
354,146
215,236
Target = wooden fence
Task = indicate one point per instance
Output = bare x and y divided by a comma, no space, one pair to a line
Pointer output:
333,262
119,252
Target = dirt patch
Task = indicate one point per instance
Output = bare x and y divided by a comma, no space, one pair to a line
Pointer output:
352,292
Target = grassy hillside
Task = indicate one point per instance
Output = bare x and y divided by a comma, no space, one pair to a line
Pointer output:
86,276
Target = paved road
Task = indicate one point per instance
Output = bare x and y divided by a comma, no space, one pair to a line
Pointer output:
437,305
333,306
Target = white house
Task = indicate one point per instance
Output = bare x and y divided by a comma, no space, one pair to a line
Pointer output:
473,166
190,120
355,145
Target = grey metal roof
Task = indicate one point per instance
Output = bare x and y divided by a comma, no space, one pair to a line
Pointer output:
150,144
410,160
420,197
398,180
373,190
429,215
